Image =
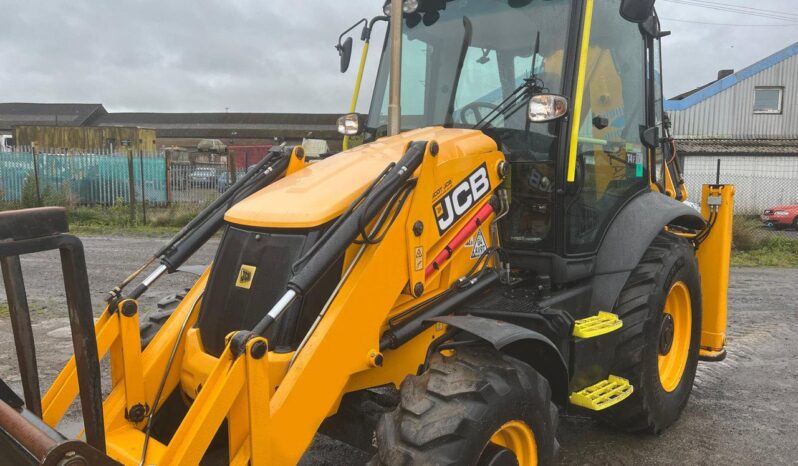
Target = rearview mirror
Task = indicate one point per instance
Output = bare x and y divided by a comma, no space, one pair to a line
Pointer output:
345,52
547,107
637,11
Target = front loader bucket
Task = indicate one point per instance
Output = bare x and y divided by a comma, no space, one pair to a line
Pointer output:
24,437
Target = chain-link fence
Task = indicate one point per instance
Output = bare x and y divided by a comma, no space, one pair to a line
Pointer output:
766,186
37,177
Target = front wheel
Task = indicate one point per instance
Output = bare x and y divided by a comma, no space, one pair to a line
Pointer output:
477,407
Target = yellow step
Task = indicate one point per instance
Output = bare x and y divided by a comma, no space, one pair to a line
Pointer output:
601,324
603,394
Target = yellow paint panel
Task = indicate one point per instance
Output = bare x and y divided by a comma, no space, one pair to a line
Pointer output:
714,259
323,190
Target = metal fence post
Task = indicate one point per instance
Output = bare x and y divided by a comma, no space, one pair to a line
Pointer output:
168,174
131,186
231,163
143,192
36,177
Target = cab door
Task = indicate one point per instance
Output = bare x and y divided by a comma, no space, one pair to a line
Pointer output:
607,163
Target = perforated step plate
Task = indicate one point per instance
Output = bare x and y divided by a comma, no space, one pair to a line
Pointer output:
595,326
603,394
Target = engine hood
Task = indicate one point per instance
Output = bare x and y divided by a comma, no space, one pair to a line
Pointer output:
320,192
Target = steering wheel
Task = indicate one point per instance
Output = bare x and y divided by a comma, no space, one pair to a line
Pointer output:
475,109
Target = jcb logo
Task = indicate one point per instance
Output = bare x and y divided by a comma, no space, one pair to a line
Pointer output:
457,202
245,276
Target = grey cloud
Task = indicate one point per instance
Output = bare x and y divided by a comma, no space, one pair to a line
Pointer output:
265,55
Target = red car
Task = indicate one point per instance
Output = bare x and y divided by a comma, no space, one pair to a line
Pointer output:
781,217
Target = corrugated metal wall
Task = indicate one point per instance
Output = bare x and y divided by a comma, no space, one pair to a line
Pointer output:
730,113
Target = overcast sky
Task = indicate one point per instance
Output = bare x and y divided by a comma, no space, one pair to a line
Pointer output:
273,55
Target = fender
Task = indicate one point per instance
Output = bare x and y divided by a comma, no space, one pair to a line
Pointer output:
628,238
526,345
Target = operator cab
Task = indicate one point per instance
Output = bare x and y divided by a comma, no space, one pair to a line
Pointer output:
462,62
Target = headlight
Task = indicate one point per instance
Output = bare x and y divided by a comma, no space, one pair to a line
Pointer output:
781,213
349,125
408,7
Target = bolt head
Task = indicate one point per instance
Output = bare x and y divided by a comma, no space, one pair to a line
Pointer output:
137,413
258,350
434,148
418,228
129,308
418,290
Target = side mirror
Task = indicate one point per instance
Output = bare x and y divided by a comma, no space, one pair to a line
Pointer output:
351,124
345,52
547,107
637,11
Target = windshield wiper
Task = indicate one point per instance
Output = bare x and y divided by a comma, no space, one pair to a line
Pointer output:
469,32
530,87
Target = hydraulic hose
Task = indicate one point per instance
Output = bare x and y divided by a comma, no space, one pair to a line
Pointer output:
413,326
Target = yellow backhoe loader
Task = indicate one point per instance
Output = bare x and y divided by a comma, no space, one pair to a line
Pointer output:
508,242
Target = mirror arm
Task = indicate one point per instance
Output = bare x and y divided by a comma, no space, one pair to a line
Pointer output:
366,35
340,45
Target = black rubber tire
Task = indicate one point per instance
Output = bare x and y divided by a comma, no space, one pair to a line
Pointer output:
795,224
151,322
448,414
650,408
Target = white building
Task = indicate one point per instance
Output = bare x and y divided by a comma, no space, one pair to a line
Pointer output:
748,120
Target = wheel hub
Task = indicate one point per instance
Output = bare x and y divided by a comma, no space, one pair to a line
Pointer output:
666,332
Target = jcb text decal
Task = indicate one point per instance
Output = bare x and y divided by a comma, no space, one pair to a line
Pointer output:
464,195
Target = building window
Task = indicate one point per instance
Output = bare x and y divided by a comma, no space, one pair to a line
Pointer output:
768,99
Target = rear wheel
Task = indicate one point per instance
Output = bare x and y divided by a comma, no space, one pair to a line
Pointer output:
795,224
478,407
659,342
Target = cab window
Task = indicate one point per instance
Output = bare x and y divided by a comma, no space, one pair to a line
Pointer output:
611,159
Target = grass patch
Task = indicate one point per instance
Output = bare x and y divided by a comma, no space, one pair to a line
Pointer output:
116,220
771,252
34,309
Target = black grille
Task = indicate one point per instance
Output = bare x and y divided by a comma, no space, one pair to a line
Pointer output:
229,305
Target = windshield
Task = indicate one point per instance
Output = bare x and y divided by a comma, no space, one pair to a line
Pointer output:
460,62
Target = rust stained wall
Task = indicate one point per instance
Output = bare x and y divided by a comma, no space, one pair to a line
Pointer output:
85,138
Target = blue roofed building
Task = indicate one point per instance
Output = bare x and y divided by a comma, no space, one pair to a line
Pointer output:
749,120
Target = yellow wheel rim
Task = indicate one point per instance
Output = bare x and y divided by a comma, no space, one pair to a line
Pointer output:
674,337
517,437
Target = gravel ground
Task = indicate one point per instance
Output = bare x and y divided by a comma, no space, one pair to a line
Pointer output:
743,410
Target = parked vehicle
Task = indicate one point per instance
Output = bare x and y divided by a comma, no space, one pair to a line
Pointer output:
781,217
223,182
211,145
6,143
203,177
